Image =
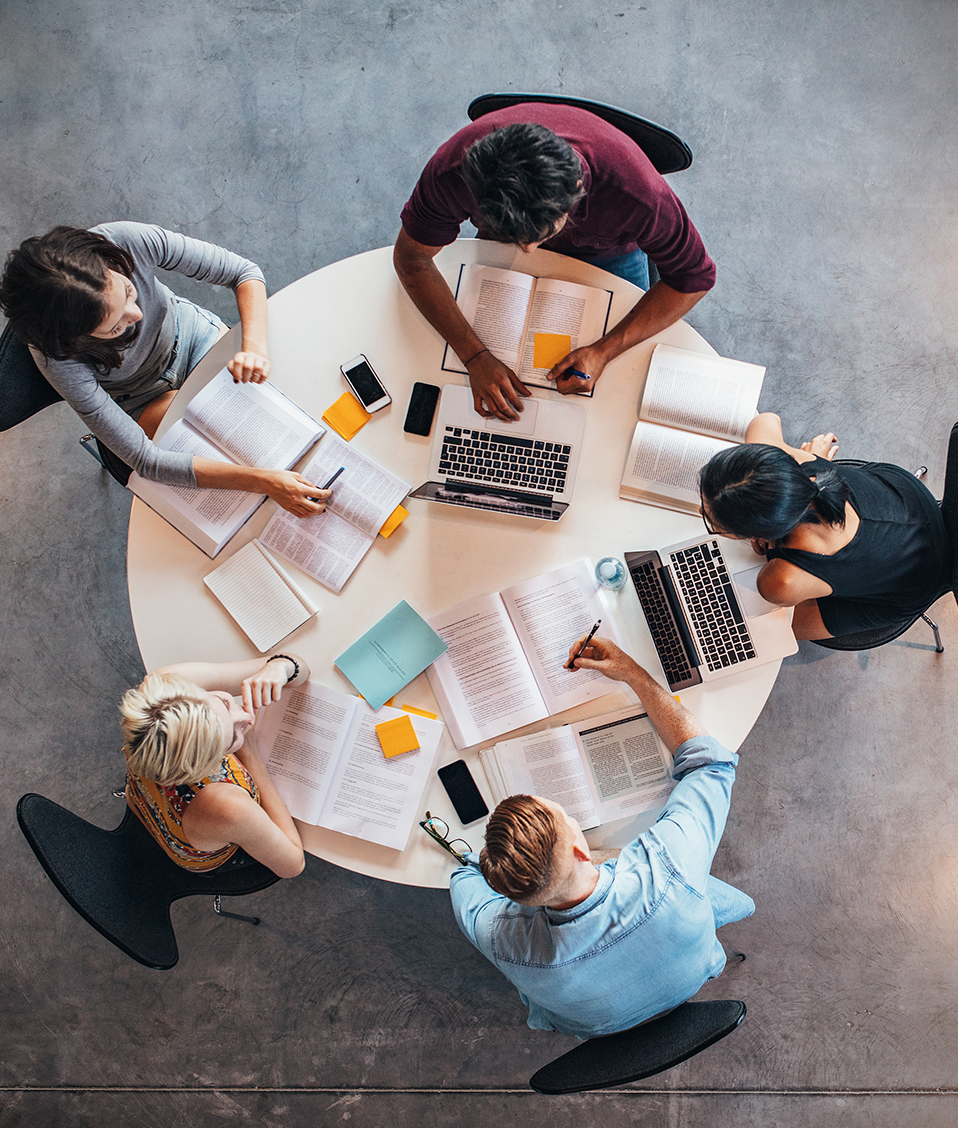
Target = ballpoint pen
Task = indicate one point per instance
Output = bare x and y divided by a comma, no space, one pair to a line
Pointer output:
581,375
328,484
570,665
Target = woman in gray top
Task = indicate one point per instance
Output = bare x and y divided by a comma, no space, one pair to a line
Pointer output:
117,344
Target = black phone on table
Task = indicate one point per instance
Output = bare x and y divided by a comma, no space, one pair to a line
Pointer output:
461,789
422,408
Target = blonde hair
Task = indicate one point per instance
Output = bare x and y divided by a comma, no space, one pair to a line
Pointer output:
172,734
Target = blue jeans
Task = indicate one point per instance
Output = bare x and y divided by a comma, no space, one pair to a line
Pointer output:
633,267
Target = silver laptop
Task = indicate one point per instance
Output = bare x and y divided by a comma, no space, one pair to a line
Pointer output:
526,468
706,621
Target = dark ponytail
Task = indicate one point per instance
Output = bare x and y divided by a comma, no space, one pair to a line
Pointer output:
758,490
52,291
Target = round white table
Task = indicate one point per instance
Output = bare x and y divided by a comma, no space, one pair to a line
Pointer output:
441,554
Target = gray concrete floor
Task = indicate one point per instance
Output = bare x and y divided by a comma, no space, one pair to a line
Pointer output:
825,186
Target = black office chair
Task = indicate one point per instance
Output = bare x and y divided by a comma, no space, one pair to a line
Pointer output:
642,1051
24,391
666,151
122,882
868,640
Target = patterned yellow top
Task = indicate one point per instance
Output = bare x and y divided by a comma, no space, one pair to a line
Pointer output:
160,809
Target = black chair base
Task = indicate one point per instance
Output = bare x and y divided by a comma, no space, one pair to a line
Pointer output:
642,1051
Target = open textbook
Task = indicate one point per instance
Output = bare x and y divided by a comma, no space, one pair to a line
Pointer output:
607,768
247,424
528,323
321,749
330,545
693,406
505,663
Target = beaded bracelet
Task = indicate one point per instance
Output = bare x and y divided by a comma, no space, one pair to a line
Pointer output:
289,658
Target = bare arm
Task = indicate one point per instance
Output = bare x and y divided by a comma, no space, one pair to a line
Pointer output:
251,363
257,680
289,489
673,722
656,310
496,388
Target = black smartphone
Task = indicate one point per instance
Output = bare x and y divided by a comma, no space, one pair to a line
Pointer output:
422,407
461,789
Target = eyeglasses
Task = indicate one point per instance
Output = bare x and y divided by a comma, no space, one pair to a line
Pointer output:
439,831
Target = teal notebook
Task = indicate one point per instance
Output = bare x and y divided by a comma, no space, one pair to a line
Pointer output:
389,655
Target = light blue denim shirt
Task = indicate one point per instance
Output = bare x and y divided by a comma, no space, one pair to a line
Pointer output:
644,941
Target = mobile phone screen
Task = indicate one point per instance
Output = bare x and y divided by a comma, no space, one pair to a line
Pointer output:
461,789
366,383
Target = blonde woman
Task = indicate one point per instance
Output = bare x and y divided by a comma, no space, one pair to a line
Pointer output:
193,779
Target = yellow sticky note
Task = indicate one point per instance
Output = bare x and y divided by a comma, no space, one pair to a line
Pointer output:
549,348
420,712
393,521
397,736
346,416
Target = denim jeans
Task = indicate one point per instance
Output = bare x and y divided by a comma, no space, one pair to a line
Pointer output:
633,267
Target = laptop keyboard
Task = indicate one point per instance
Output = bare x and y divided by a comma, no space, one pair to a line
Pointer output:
505,460
701,575
658,615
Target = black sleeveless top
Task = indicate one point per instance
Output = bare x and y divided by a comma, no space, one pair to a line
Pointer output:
897,563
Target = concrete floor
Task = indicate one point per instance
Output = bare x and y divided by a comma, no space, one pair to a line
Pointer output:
824,184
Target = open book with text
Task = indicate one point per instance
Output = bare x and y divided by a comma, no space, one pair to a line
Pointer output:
606,768
246,424
321,749
528,323
693,406
505,663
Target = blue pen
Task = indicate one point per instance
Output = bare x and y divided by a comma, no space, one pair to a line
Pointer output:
329,483
581,375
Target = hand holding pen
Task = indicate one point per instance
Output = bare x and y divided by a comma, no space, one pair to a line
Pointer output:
328,485
570,665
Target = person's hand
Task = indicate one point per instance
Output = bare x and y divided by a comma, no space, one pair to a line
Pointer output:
760,546
824,446
295,494
589,359
266,685
603,655
249,368
496,389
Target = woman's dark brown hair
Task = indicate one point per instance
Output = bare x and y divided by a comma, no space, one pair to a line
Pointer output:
52,291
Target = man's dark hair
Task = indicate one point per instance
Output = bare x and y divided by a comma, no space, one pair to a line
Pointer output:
518,859
524,179
53,292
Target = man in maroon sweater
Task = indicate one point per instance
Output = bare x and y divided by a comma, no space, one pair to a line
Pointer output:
561,178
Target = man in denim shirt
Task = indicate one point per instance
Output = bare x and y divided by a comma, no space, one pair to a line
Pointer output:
597,949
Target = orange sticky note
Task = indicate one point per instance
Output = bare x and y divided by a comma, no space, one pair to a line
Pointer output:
549,348
420,712
397,736
393,521
346,416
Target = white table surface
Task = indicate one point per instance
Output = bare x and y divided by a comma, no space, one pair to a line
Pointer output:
441,554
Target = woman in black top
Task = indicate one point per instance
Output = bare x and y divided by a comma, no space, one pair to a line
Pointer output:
851,548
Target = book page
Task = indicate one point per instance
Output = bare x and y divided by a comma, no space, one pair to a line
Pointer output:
254,423
259,595
365,494
663,464
710,394
209,517
325,546
580,312
628,763
301,738
495,302
549,764
374,798
549,613
483,682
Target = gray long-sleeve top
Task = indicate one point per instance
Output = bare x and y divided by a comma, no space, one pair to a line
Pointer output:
92,396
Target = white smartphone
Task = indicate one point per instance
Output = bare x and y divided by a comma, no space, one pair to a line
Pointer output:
365,384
